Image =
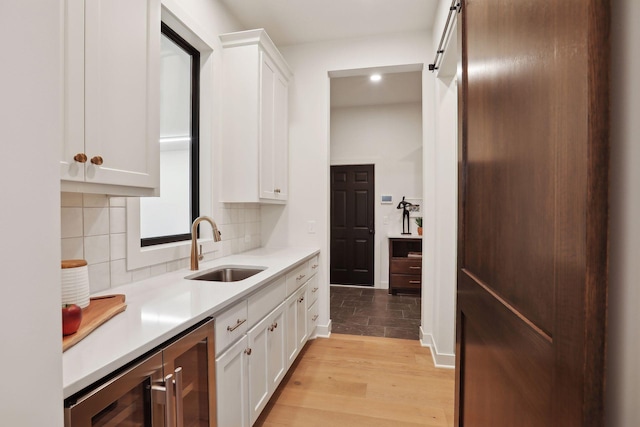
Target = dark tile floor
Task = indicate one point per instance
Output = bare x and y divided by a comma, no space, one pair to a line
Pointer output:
374,312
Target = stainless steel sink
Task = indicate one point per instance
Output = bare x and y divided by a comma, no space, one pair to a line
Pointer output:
229,273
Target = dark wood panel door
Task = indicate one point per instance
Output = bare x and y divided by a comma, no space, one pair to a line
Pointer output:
352,224
532,249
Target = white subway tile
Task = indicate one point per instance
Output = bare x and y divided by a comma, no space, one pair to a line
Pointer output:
118,220
70,222
118,246
119,273
120,202
72,248
95,201
140,274
71,200
96,221
158,269
96,249
99,277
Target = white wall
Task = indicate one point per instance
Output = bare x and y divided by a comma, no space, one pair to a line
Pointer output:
31,123
390,137
623,352
309,135
440,216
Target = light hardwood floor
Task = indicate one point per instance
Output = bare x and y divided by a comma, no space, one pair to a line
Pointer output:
354,381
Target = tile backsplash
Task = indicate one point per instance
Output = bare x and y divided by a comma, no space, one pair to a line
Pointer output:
93,227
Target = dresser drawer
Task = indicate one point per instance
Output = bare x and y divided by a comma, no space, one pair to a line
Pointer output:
406,281
406,266
297,277
231,324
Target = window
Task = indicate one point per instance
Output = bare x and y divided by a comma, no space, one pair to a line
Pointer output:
168,218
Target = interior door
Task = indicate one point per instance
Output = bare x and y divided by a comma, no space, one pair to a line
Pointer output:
532,250
352,224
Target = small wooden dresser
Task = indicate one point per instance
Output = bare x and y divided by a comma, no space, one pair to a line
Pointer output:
405,265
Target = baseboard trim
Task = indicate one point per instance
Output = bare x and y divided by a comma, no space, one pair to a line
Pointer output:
440,360
323,331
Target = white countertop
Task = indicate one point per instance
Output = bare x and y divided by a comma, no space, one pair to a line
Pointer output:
158,308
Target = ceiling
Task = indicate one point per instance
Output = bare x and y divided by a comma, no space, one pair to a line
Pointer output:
305,21
290,22
394,88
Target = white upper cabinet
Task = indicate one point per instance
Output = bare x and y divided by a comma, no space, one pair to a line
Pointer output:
255,126
112,102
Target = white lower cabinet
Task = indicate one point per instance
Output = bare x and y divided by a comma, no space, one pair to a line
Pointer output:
296,323
232,385
267,363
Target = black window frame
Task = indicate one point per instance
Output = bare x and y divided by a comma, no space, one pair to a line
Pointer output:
195,138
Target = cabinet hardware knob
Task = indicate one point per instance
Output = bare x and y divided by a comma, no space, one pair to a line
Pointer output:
97,160
80,158
238,323
314,266
276,190
300,277
275,325
314,290
314,318
301,299
248,351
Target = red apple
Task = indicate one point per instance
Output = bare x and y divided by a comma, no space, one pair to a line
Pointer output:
71,318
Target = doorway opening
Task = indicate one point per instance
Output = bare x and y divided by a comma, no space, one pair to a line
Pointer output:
375,128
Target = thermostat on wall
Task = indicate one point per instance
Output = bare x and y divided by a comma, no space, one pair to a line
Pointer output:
386,200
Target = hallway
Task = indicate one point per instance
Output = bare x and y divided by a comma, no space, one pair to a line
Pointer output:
374,312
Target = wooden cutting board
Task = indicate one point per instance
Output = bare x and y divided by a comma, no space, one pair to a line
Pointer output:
100,310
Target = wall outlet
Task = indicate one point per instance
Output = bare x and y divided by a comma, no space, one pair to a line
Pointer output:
311,227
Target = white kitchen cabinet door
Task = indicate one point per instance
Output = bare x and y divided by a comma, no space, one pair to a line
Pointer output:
296,323
274,145
281,138
266,360
254,119
112,95
232,386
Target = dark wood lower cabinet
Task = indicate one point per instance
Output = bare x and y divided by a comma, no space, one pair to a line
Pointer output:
405,265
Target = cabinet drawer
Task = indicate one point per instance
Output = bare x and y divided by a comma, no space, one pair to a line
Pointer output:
297,277
231,324
406,266
313,265
312,290
261,303
406,281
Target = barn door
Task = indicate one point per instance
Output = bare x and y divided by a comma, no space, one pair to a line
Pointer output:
532,250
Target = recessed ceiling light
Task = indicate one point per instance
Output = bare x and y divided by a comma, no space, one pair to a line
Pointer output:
375,77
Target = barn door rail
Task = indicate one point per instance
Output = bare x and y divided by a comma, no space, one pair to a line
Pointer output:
454,8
